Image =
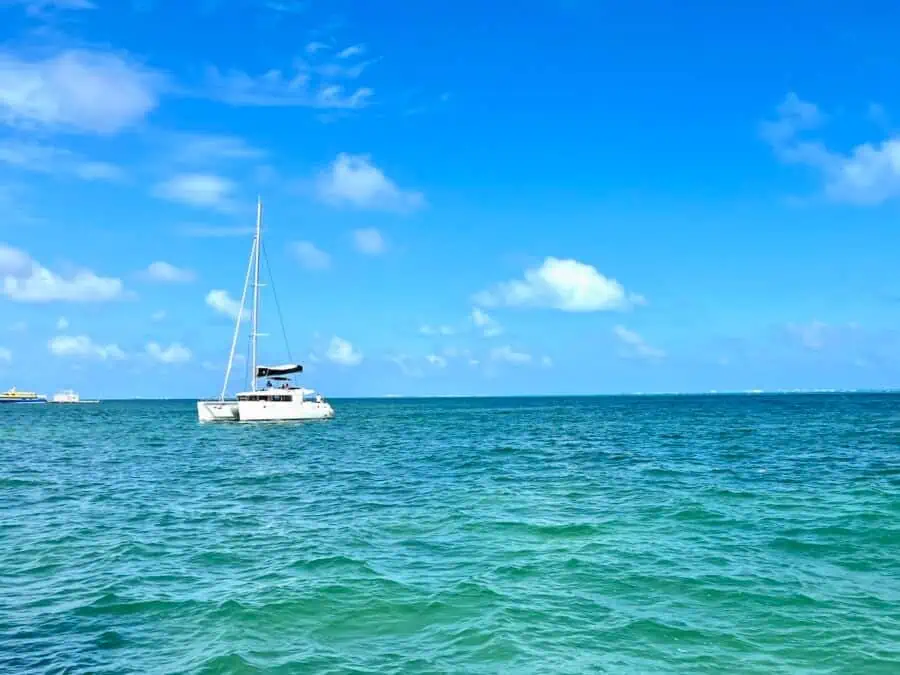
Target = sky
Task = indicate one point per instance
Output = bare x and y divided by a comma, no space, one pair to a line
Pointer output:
460,198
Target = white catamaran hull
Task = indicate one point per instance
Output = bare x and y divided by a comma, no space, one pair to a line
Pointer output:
270,411
217,411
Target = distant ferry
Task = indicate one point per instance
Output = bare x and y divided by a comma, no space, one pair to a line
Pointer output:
13,396
69,396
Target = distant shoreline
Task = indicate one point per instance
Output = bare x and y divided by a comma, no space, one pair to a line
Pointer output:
694,394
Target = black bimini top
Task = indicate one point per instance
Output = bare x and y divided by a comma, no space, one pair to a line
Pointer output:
274,371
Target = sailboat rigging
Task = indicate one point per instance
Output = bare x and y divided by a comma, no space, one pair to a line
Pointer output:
279,399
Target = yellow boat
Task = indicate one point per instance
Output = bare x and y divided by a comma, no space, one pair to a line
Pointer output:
13,396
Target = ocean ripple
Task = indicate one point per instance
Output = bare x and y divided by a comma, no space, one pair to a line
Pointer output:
726,534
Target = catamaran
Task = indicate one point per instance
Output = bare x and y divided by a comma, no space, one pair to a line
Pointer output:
279,399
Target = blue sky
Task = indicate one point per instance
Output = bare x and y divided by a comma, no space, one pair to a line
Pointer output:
460,197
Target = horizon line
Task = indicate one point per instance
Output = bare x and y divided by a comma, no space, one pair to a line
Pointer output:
387,397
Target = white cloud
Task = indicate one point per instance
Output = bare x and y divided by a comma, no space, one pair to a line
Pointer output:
202,190
428,329
507,354
77,90
567,285
310,256
81,346
5,355
369,241
159,315
354,181
635,346
52,160
355,50
275,88
488,325
26,280
223,303
436,361
341,351
212,148
168,273
62,323
174,353
868,174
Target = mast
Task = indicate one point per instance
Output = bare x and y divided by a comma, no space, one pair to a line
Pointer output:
255,327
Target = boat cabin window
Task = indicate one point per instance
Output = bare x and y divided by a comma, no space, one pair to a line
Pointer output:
280,398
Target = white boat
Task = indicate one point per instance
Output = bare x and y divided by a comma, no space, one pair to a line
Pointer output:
69,396
279,399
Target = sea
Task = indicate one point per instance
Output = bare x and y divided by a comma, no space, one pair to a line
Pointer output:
728,534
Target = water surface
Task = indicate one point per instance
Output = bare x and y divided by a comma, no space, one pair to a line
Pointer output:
713,534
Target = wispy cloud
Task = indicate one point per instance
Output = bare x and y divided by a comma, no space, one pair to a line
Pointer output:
489,326
634,345
428,329
436,360
407,365
164,272
350,52
82,346
315,47
343,352
818,335
866,175
353,180
202,149
42,7
174,353
209,231
77,90
566,285
40,158
26,280
310,256
276,88
221,302
369,241
201,190
507,354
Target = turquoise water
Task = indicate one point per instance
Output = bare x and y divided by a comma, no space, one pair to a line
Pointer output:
727,534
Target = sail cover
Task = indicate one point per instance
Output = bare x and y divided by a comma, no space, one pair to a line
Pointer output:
285,369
